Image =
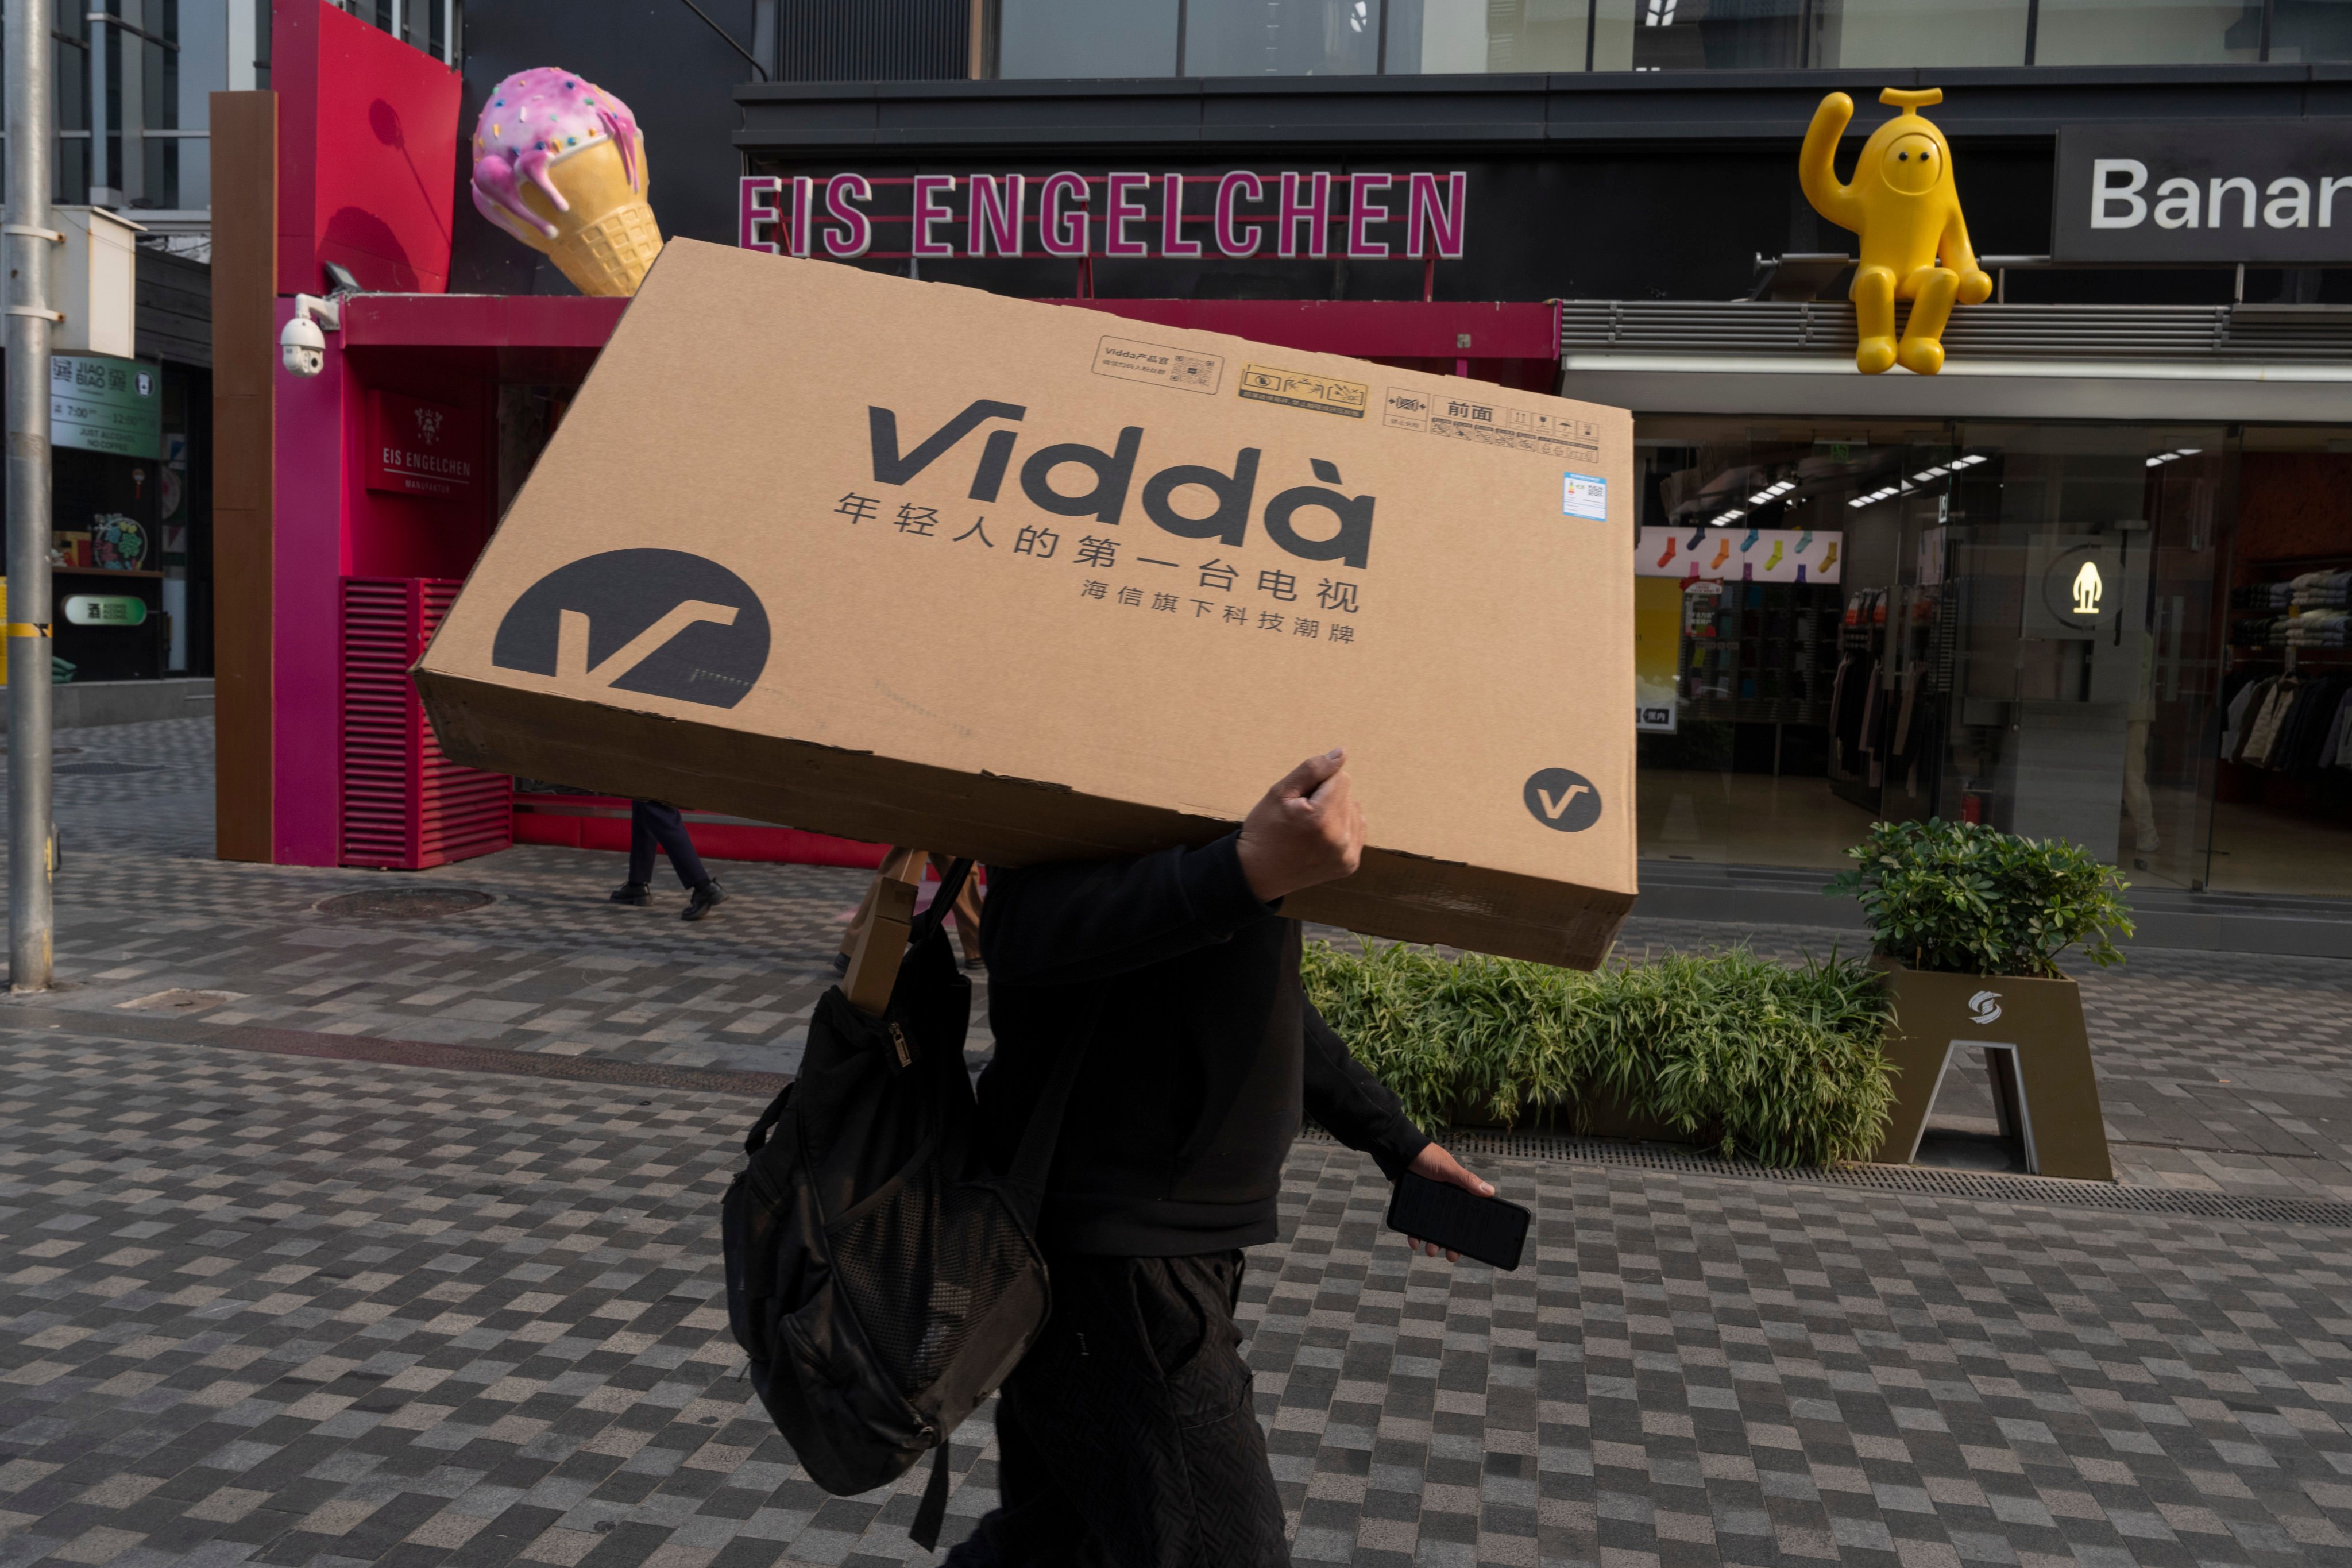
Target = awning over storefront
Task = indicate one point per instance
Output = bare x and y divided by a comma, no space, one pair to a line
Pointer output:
2251,364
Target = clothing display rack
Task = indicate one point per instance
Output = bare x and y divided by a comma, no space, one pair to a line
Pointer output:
1763,654
2286,698
1893,677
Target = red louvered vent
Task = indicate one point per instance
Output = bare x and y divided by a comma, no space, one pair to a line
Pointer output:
405,807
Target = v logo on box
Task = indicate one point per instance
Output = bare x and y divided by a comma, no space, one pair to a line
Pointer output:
1563,800
660,622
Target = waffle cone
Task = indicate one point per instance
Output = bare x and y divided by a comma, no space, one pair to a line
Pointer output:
608,238
610,254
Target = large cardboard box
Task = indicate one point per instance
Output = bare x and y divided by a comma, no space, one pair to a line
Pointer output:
923,565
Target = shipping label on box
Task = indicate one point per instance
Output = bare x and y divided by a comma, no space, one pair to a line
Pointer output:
924,565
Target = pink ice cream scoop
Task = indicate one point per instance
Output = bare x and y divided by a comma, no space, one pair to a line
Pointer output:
533,119
559,163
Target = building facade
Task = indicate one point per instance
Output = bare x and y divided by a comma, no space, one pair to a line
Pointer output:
131,82
2088,582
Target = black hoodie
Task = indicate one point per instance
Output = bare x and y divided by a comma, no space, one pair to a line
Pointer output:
1204,1050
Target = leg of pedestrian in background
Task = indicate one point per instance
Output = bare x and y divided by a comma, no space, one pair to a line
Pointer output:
1128,1436
638,888
653,822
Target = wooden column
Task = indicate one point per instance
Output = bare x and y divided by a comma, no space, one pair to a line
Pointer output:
245,369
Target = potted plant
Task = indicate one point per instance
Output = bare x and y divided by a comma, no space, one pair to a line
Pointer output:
1969,924
1752,1057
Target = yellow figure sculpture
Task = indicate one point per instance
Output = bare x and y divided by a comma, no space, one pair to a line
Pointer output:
1905,206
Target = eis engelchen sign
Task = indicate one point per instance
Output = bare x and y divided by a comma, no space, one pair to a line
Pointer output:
422,448
1292,213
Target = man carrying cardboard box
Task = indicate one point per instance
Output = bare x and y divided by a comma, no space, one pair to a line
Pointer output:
1127,1435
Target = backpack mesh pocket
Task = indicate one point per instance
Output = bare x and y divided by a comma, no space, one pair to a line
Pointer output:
922,1267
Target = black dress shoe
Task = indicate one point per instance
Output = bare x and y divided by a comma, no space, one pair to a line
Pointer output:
703,900
636,893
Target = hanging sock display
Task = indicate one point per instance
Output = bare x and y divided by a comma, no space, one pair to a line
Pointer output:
1805,542
1669,556
1830,559
1755,533
1722,551
1774,559
1694,575
1697,534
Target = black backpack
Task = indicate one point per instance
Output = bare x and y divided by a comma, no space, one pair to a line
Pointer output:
881,1280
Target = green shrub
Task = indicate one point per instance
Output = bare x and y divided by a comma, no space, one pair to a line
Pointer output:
1965,898
1776,1064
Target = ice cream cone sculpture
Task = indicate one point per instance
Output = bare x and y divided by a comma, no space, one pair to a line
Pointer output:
559,163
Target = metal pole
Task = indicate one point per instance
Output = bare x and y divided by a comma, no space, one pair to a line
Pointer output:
104,178
27,239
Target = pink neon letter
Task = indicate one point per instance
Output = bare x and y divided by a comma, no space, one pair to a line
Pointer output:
1316,211
929,212
854,234
1061,233
755,210
1363,212
1443,215
1171,221
802,231
1229,238
1119,212
994,218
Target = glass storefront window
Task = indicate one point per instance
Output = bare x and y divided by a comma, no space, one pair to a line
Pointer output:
2282,790
2129,637
1282,38
1698,34
1431,37
2304,30
1896,33
2148,32
1063,38
1434,38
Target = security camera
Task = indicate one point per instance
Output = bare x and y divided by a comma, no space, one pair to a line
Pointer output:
303,347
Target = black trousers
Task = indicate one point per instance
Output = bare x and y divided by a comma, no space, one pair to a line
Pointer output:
1127,1435
651,823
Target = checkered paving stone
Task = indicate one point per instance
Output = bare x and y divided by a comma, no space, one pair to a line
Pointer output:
289,1311
2219,1072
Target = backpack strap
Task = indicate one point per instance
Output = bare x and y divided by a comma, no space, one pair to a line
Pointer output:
933,1510
757,1136
929,923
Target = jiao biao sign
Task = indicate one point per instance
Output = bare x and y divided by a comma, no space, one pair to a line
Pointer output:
2266,193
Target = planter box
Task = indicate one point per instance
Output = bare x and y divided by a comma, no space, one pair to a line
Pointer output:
2031,1031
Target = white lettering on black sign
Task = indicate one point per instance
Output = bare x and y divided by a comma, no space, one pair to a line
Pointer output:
2272,194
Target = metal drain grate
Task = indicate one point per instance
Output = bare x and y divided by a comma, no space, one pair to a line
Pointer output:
405,903
1928,1180
104,770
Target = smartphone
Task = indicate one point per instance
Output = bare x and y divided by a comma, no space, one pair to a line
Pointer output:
1488,1229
